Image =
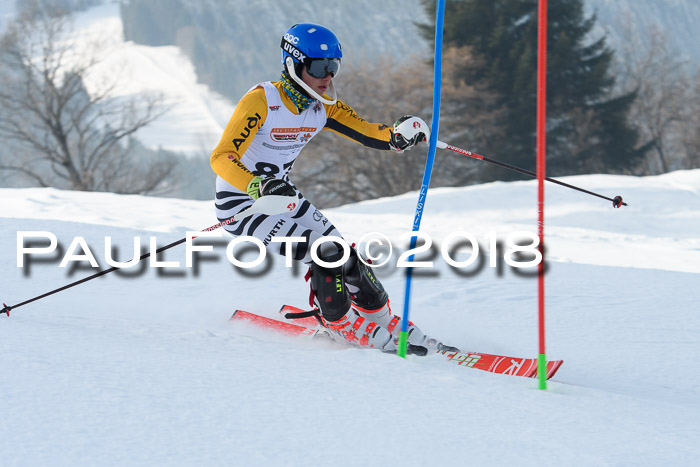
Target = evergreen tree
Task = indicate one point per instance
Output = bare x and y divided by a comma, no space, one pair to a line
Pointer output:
587,127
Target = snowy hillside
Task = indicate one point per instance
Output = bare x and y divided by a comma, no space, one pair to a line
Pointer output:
235,43
197,116
142,368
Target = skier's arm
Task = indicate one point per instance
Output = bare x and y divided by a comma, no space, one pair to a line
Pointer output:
247,119
343,120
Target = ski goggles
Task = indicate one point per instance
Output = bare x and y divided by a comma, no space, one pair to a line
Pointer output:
322,67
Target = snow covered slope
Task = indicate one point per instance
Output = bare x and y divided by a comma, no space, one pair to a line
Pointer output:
142,368
196,116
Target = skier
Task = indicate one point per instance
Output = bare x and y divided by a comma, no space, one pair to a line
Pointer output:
270,126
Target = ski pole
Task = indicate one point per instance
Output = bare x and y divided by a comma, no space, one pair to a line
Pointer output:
617,201
268,205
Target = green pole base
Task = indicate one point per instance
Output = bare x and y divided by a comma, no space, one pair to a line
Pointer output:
403,344
542,370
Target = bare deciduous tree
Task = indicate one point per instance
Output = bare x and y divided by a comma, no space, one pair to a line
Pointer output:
660,77
690,127
61,134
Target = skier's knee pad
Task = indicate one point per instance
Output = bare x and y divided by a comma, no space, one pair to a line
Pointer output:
328,284
366,292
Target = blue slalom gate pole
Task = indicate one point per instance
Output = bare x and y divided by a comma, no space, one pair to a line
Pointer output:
403,335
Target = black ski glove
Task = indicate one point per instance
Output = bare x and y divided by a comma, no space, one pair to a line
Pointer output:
260,186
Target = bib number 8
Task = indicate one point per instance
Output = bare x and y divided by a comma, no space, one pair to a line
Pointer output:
265,169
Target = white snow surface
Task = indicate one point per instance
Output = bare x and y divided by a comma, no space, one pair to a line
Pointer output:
146,370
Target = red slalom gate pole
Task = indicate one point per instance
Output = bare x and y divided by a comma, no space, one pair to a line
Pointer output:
541,168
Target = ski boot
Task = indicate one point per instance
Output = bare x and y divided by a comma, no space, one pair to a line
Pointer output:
331,296
370,300
362,332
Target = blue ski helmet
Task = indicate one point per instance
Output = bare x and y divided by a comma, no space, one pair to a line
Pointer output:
306,41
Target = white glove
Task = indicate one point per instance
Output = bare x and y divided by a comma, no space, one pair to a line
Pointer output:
408,131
